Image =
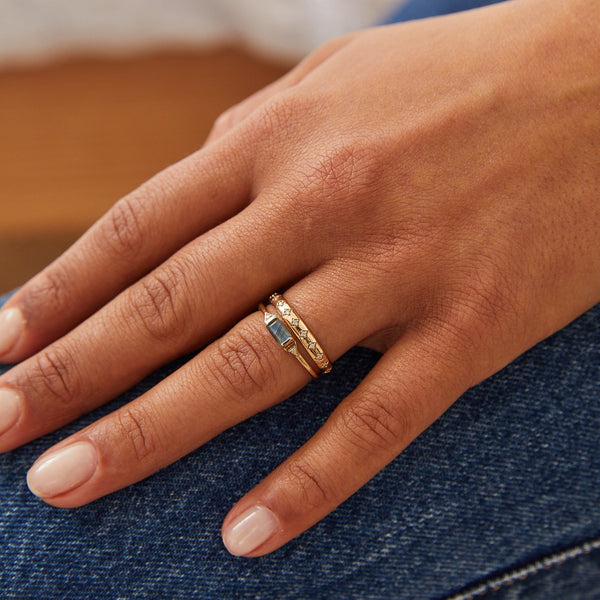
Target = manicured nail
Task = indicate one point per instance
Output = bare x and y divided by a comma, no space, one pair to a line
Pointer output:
10,409
12,325
251,529
63,470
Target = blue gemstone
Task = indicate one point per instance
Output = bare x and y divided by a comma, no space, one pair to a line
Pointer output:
278,331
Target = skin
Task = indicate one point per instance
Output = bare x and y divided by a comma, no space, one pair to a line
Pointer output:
429,190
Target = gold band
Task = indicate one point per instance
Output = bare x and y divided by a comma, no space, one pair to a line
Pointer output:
284,338
301,332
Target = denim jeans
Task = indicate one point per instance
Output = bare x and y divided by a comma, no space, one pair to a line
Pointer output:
498,500
500,496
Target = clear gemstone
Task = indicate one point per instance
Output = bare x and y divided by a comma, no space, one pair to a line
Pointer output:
286,311
295,322
303,333
318,356
312,345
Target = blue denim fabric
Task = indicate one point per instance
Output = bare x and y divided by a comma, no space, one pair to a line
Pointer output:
420,9
504,484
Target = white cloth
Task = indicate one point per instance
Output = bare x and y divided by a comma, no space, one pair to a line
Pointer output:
34,30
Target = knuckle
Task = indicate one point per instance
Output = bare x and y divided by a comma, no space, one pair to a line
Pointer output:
485,302
339,177
159,302
134,426
304,478
372,423
129,225
123,231
242,363
340,168
225,121
56,374
274,119
49,289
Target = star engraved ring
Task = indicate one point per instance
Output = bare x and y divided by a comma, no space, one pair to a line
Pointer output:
290,325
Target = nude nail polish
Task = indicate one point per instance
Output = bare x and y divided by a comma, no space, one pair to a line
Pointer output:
12,325
10,409
251,529
62,470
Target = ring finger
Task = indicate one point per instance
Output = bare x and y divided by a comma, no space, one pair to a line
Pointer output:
235,377
185,303
141,231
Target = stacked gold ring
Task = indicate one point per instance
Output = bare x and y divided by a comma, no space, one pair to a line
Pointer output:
288,328
284,338
301,331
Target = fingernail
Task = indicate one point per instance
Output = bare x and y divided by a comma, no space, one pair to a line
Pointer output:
63,470
10,409
12,325
251,529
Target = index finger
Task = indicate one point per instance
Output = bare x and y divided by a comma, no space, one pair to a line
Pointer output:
141,230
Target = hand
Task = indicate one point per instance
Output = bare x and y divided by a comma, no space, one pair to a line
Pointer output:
428,190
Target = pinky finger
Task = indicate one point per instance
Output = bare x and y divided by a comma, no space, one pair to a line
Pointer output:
410,387
237,113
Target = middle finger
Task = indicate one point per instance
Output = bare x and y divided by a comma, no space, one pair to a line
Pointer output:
183,304
235,377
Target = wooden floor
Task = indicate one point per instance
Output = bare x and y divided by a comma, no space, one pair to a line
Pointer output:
76,136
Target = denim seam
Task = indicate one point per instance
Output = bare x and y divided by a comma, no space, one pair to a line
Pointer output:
518,575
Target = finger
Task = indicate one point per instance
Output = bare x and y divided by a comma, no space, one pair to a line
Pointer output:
237,113
185,303
234,115
411,386
236,376
141,231
137,234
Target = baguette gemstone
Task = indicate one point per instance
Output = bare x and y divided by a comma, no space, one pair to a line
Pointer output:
278,330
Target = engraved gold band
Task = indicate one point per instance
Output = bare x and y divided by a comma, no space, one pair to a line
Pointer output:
284,338
302,333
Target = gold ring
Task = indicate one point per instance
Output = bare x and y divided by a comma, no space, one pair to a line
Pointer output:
284,338
301,332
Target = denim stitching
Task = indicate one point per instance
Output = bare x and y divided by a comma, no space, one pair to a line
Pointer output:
553,560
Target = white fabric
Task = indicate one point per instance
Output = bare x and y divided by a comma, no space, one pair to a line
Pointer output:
33,30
